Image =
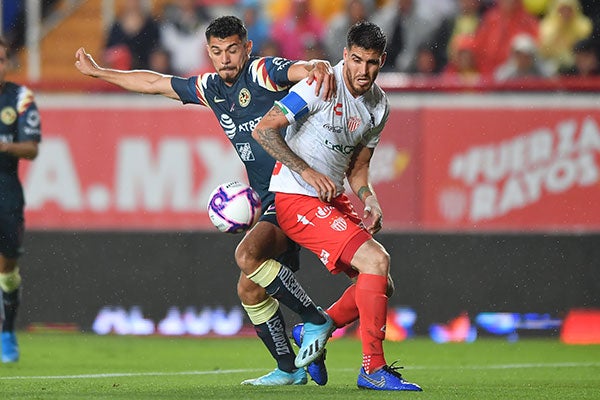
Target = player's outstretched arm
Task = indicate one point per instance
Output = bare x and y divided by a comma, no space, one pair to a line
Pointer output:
140,81
267,135
319,71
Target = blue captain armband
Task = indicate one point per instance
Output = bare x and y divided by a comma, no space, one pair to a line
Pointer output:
293,106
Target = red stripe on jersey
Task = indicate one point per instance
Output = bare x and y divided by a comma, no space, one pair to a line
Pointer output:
264,73
200,91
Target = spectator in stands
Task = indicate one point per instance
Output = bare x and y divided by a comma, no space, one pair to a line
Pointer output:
499,25
182,34
270,48
257,24
132,38
461,67
160,61
562,27
356,10
537,8
297,30
586,60
524,61
464,22
591,9
315,50
425,61
323,10
407,28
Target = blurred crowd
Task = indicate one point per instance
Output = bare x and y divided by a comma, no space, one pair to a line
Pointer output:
466,40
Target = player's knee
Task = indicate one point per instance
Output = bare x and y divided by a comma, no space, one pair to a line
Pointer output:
246,258
379,263
249,292
7,265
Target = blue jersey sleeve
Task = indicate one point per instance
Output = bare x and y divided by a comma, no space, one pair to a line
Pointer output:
29,123
271,72
191,90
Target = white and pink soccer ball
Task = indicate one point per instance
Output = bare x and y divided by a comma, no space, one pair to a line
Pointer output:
234,207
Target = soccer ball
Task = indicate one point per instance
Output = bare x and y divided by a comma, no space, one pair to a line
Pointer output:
234,207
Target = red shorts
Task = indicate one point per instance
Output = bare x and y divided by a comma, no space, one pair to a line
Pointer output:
332,231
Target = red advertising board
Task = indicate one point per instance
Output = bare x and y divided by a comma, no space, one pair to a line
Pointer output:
488,168
128,167
511,169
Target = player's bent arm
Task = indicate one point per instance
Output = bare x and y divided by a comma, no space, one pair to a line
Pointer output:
140,81
267,135
27,150
358,178
358,172
315,70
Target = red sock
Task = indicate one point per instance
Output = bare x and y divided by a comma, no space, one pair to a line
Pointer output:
344,311
372,308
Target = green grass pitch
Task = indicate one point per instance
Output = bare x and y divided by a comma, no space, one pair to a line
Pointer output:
86,366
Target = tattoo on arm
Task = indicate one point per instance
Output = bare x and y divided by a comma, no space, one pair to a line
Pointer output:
362,191
270,139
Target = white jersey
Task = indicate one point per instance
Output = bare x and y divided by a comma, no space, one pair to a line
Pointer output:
326,133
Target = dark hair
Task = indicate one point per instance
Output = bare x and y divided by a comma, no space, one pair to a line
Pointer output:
366,35
226,26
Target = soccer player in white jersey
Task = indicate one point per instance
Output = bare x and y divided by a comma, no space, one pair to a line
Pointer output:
325,142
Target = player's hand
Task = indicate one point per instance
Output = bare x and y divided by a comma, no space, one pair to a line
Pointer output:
373,210
323,75
85,63
324,186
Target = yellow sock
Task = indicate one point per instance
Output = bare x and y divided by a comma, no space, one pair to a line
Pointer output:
266,273
10,281
262,312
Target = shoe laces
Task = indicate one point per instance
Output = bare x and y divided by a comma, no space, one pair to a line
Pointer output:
393,369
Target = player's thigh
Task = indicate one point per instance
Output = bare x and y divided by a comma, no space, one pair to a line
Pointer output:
323,229
262,242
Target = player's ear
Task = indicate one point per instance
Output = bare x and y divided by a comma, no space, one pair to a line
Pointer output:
249,45
383,58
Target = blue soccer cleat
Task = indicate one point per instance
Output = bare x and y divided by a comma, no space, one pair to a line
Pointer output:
385,379
10,347
278,377
316,369
313,340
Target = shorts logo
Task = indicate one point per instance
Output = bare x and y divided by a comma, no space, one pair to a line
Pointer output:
244,97
8,115
323,212
339,224
270,210
303,220
324,257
